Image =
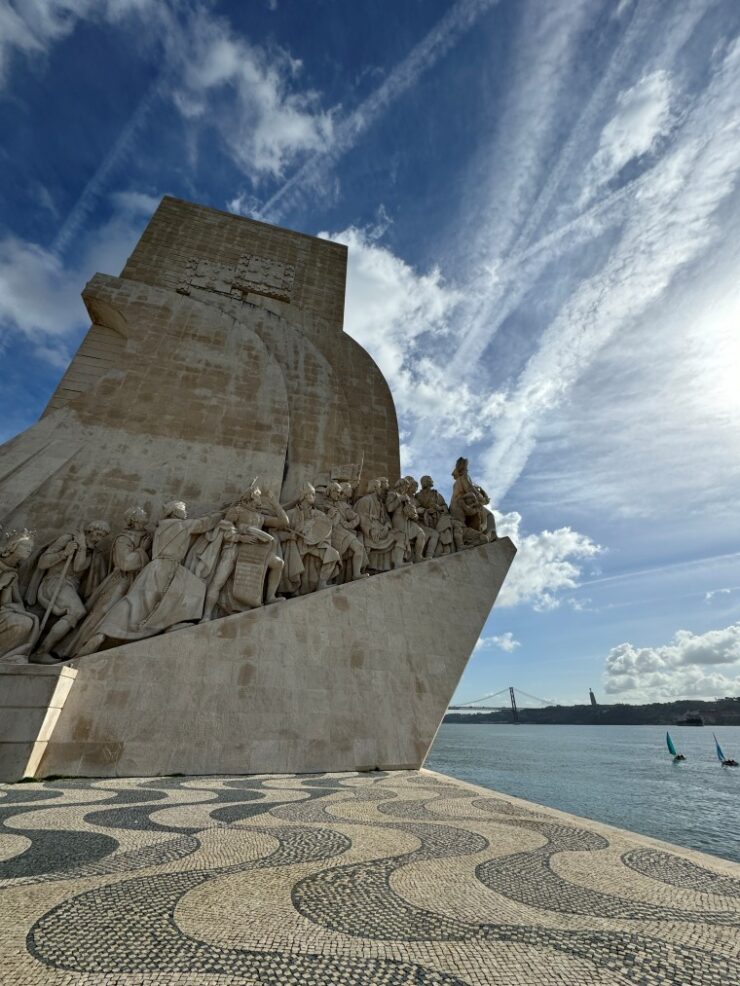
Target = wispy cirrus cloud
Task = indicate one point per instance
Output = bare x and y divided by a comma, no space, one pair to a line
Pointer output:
29,28
219,81
666,225
513,253
642,118
312,176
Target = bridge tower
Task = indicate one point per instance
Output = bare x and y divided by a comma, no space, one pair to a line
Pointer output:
514,710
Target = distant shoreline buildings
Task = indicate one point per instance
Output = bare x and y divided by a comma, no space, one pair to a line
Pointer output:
720,712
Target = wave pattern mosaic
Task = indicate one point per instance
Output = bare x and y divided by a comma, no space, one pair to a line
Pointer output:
345,878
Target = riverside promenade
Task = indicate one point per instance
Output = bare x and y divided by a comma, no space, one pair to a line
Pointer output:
404,877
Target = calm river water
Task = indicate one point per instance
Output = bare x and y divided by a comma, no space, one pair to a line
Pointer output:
622,775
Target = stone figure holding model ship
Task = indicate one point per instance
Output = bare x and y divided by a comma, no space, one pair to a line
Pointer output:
468,507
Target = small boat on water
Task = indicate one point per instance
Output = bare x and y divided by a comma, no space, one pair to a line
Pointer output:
690,719
725,761
677,757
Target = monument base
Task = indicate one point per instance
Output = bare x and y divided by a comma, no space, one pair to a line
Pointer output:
354,677
31,699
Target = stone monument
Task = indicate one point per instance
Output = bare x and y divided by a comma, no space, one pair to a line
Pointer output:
210,560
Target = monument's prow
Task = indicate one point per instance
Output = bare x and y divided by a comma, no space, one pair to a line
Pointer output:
216,357
357,677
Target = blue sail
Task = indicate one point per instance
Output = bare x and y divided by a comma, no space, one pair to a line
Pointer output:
720,755
671,747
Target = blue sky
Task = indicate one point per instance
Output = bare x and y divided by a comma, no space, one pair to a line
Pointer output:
541,204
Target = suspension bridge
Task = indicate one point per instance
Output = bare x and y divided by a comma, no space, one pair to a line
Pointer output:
510,701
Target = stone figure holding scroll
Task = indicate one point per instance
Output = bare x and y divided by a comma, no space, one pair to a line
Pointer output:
69,568
310,560
129,554
384,545
468,506
434,515
164,594
18,628
344,532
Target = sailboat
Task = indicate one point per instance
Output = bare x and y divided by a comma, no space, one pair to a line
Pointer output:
677,757
725,761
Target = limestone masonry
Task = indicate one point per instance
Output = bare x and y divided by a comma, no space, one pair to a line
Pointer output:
210,562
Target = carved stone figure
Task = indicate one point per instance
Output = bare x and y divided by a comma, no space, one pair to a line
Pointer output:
18,628
434,515
344,532
468,506
67,569
164,594
310,560
431,536
384,545
250,566
215,558
129,554
402,510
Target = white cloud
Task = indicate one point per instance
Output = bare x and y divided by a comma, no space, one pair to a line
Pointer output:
642,118
248,94
218,79
504,178
504,641
401,316
703,665
36,297
135,203
40,295
546,564
389,304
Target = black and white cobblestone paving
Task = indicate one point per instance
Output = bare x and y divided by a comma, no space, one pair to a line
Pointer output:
349,878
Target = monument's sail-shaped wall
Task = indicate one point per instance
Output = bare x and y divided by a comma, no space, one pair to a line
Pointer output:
217,355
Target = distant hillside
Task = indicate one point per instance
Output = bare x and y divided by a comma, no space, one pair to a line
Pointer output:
721,712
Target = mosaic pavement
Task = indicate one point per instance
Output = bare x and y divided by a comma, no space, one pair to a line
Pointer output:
346,878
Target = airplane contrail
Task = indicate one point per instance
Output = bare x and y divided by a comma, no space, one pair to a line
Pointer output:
445,33
90,193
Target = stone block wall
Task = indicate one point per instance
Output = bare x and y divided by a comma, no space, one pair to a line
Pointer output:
31,699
